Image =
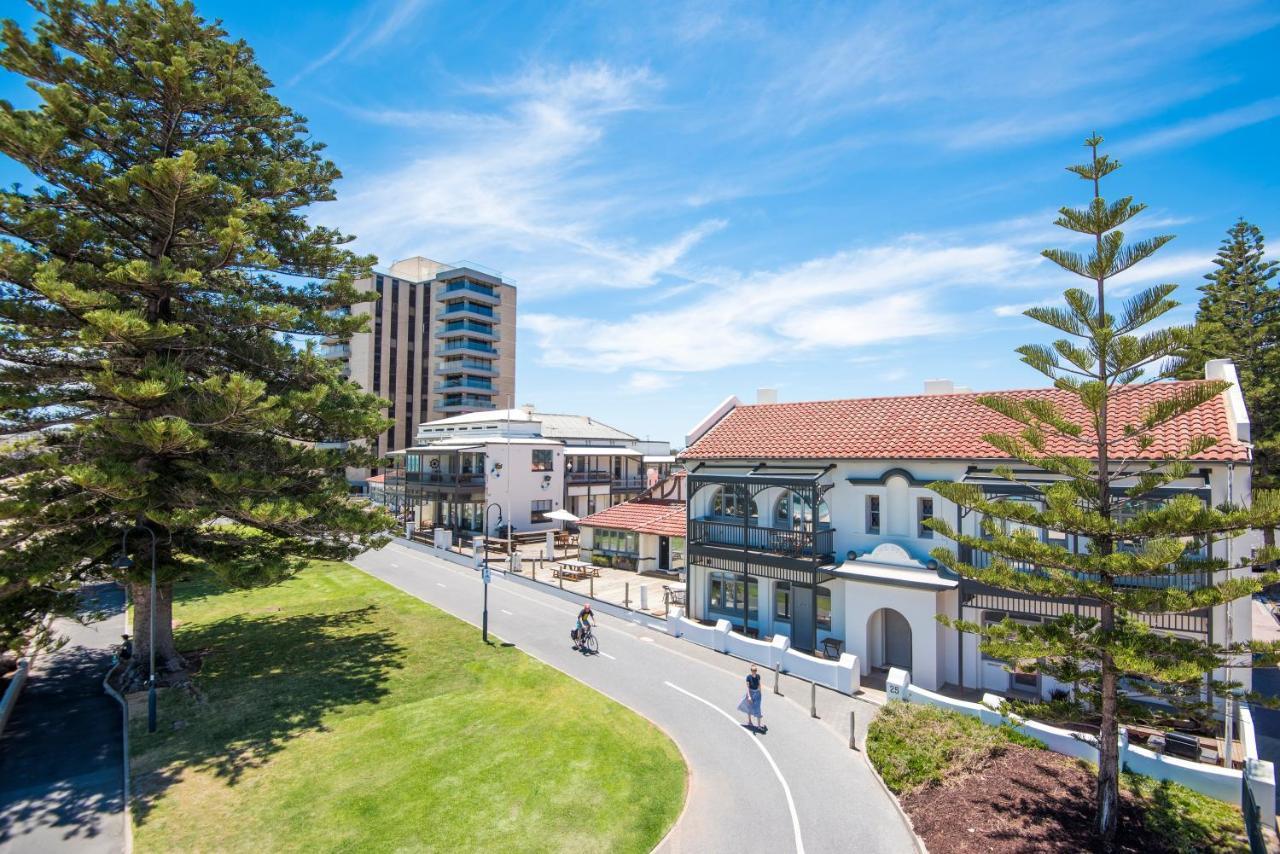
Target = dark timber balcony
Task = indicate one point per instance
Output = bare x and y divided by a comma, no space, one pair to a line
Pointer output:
733,536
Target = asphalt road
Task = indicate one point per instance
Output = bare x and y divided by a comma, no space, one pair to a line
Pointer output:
797,788
61,766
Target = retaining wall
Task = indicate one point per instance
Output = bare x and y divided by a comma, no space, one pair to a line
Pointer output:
842,675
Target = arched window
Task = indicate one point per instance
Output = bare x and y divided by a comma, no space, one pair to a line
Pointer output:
792,513
733,502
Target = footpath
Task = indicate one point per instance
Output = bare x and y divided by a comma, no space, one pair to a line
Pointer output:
61,766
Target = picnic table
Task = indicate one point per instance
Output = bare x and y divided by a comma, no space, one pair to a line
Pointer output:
575,570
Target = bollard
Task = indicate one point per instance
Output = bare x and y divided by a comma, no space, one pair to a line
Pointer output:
533,571
853,731
626,596
777,670
591,585
561,579
813,699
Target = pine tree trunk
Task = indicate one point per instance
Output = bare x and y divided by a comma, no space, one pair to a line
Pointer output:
167,658
1108,790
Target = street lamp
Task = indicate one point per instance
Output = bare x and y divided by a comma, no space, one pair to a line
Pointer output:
484,622
124,562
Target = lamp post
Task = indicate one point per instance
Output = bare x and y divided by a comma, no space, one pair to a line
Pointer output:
124,562
484,621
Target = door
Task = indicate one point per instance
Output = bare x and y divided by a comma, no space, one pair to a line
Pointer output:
803,622
897,640
664,552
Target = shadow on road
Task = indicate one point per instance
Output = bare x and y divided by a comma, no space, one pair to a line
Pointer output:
264,680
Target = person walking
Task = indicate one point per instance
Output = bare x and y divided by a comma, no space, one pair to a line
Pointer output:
751,701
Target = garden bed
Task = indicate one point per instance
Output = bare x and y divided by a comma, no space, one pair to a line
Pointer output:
970,787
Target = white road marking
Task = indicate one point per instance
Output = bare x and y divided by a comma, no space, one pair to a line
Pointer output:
786,790
438,584
395,566
608,656
646,639
508,613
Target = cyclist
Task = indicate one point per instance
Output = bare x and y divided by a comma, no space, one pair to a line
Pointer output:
586,619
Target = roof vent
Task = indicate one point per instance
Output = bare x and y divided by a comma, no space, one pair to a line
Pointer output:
528,407
939,387
766,395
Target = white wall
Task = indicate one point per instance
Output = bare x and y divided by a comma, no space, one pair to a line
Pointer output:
863,603
516,486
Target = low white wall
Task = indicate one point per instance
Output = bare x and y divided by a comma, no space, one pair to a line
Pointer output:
1248,735
1224,784
11,693
766,653
841,675
709,636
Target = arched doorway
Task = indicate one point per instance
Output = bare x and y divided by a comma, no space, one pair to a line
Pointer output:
889,639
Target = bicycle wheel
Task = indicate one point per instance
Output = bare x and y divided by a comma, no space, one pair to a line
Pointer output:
592,645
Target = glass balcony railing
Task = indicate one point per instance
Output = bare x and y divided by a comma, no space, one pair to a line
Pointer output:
335,351
465,383
463,326
460,308
460,346
460,366
466,286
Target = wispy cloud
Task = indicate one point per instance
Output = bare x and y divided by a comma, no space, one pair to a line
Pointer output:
1205,127
840,302
374,26
517,180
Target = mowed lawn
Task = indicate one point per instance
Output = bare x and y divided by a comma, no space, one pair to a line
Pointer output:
340,713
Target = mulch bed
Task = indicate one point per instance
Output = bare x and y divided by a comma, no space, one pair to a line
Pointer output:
1023,800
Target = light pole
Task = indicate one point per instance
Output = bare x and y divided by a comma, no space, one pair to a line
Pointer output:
124,562
484,622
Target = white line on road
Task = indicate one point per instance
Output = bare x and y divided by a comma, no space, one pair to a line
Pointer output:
395,566
786,790
438,584
608,656
508,613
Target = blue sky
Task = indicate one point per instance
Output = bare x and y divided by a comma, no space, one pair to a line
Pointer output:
697,199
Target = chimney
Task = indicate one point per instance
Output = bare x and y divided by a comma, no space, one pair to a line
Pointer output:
939,387
527,408
766,395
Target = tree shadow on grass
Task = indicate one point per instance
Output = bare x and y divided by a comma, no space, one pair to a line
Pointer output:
265,681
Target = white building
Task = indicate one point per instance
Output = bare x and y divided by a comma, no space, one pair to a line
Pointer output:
516,465
807,520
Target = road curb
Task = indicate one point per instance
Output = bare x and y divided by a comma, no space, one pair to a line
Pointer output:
124,737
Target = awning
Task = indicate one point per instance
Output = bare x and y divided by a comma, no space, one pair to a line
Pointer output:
441,449
603,451
560,516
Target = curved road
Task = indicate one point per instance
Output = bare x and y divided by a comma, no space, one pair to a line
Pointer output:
798,788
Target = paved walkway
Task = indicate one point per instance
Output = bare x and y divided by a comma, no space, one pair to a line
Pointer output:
798,788
61,769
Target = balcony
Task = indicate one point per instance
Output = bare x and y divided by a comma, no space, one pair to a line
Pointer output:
469,328
335,351
469,290
734,536
469,310
480,386
475,367
444,478
463,403
464,346
588,477
1179,580
630,482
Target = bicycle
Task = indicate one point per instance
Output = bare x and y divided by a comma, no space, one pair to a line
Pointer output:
587,641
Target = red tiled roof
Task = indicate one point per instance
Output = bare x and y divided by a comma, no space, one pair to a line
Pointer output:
946,426
377,478
643,515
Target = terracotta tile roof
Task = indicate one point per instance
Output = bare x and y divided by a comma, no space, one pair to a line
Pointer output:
943,426
377,478
643,515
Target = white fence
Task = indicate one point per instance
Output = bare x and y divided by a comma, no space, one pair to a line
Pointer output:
1224,784
11,693
841,675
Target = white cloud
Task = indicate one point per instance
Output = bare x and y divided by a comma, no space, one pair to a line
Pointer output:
516,182
645,382
1205,127
851,299
376,26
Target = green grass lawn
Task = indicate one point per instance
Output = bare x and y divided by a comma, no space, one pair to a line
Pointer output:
340,713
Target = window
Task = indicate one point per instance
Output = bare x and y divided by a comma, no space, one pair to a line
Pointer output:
924,512
873,514
539,509
731,501
822,598
792,513
542,460
616,542
782,601
726,596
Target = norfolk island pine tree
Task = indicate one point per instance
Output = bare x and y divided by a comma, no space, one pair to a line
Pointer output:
1238,318
1100,357
154,284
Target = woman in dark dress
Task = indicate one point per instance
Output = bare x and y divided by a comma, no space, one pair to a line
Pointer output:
751,702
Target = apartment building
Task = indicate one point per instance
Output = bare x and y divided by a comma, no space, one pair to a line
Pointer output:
441,342
808,520
519,462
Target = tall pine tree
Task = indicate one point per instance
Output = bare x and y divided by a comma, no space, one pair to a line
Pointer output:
1239,319
154,284
1137,560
